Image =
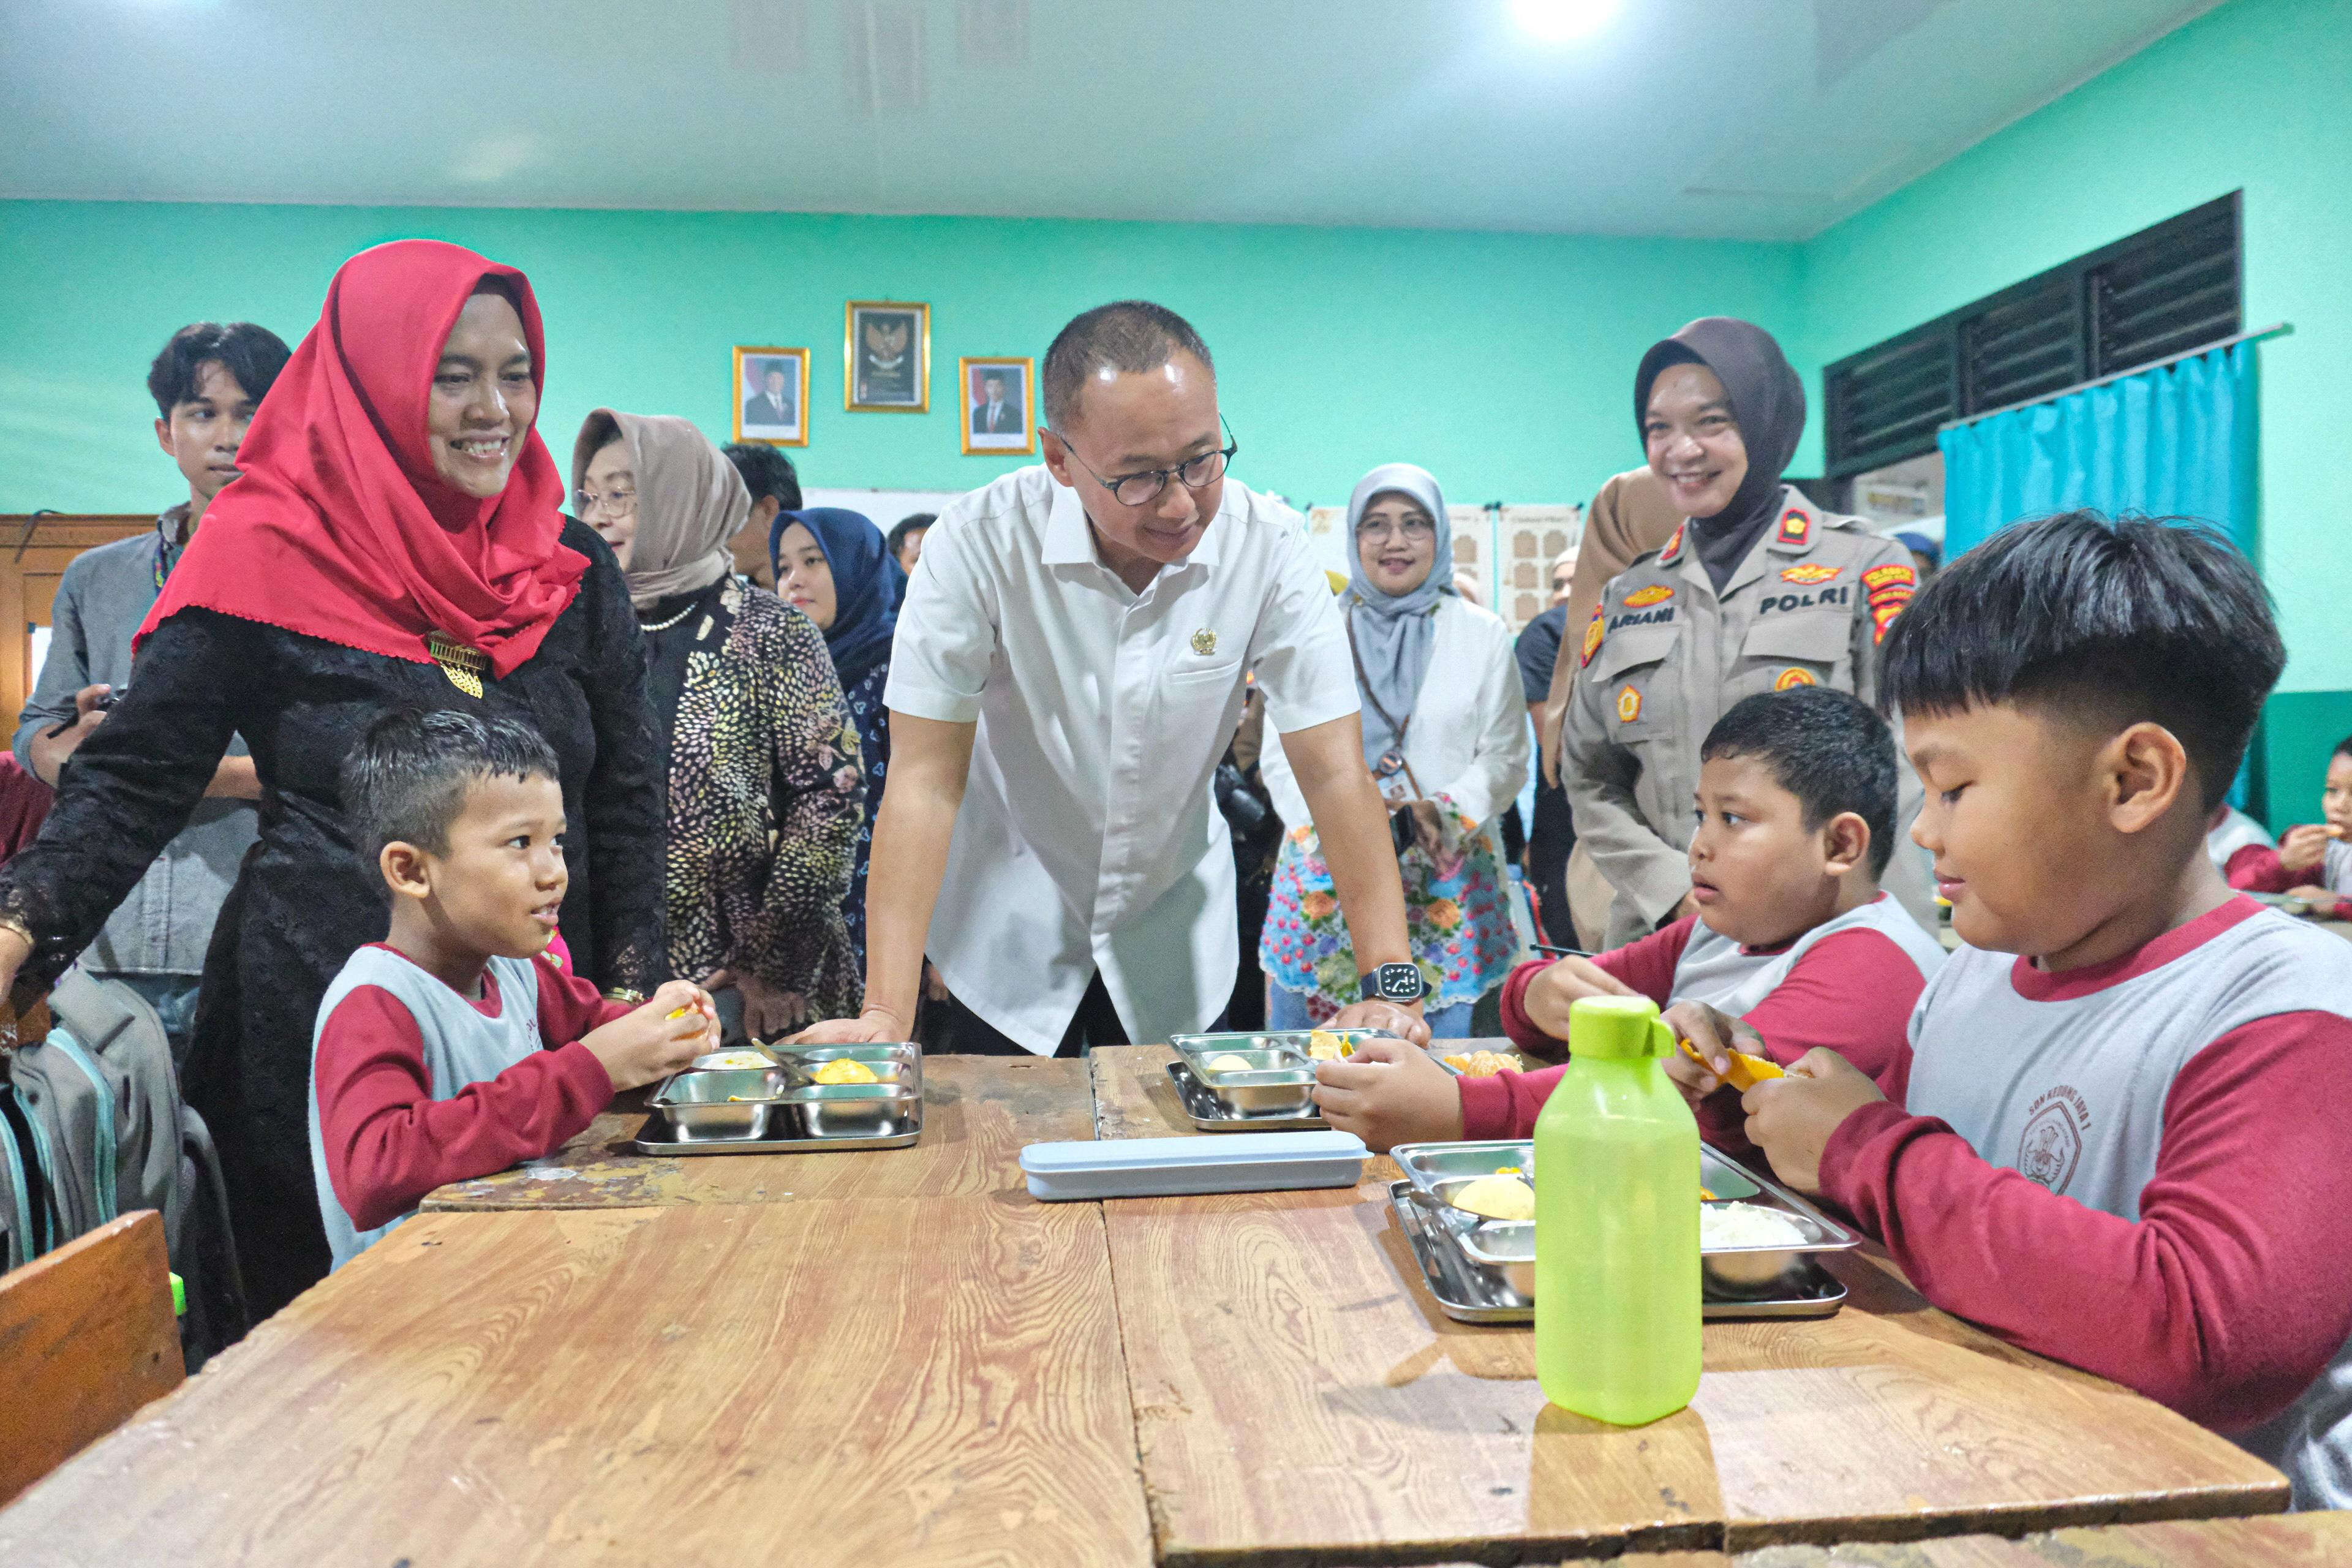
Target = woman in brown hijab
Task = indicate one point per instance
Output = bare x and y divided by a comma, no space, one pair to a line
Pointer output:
764,789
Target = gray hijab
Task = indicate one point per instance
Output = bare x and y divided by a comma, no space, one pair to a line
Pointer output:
690,500
1394,632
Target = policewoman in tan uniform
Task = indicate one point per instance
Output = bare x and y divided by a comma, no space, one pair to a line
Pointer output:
1759,590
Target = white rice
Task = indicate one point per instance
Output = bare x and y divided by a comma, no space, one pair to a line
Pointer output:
1726,1226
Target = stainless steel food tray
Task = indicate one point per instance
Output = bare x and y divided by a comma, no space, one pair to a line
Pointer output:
696,1113
1209,1114
1508,1246
1469,1293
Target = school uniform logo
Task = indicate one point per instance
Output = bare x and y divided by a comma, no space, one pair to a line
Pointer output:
1642,598
1594,630
1629,705
1796,528
1809,574
2051,1145
1792,677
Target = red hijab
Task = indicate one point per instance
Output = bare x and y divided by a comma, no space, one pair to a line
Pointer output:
337,526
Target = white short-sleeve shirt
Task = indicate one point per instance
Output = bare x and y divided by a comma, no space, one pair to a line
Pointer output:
1089,838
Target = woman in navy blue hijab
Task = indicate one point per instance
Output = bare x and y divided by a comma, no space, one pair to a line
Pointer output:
834,567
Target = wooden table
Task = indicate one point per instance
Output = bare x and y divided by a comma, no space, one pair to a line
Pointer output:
2281,1541
1299,1394
977,1114
844,1381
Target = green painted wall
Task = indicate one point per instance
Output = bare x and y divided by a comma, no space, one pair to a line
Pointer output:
2252,96
1502,362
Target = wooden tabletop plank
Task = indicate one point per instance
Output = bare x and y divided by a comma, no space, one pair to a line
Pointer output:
2279,1541
1298,1391
978,1112
846,1382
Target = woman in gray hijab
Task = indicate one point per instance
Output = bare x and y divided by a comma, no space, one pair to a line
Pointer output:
764,788
1446,735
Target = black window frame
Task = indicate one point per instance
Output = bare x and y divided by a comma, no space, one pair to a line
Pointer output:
2061,316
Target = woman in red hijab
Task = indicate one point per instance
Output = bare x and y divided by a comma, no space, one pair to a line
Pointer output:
396,539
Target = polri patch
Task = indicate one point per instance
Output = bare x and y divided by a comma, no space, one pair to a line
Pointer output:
1594,632
1674,546
1629,705
1792,677
1809,574
1889,575
1642,598
1796,528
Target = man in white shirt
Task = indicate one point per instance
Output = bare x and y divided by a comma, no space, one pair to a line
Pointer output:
1068,668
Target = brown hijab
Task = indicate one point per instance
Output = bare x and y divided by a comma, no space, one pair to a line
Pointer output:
690,500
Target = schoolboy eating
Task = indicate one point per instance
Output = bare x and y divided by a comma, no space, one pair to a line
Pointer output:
2314,861
2123,1140
461,1044
1795,807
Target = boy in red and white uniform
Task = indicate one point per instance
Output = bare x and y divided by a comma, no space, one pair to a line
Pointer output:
460,1044
2314,861
1796,804
2123,1142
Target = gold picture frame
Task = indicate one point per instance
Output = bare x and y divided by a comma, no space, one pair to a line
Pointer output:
884,343
981,421
755,365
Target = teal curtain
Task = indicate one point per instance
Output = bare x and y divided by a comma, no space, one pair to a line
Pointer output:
2177,441
2174,442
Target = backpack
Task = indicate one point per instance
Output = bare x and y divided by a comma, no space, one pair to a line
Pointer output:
92,1126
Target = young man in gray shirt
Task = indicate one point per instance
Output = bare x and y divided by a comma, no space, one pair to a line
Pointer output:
207,384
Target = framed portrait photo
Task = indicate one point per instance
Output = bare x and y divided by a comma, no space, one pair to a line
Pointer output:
886,356
771,395
1000,407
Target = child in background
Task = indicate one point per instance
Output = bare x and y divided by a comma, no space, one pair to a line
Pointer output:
1796,820
2235,841
2123,1146
461,1045
2314,861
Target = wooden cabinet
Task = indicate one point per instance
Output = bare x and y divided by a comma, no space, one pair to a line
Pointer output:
34,553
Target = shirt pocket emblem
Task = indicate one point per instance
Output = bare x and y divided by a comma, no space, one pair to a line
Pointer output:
1204,642
1629,704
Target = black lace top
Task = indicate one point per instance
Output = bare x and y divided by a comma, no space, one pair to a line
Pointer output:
304,900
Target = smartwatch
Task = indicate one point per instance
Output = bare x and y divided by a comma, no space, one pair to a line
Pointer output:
1394,983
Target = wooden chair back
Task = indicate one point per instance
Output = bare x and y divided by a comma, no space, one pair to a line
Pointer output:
87,1336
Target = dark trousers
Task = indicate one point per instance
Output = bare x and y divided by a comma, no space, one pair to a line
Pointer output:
1096,1023
1548,842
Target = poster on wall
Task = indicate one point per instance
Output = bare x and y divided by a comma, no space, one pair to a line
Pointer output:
771,395
999,407
887,357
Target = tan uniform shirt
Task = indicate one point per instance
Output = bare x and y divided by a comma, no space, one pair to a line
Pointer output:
1628,519
1664,657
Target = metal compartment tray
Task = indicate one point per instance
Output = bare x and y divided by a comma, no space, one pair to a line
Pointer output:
1508,1246
1278,1097
1208,1114
776,1110
1469,1293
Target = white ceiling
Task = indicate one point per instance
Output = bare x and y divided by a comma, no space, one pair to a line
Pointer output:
1754,119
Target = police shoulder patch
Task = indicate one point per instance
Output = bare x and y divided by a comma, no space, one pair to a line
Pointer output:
1793,676
1674,546
1594,632
1642,598
1796,528
1809,574
1890,575
1629,705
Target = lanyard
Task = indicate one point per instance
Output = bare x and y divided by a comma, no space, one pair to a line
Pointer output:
1392,762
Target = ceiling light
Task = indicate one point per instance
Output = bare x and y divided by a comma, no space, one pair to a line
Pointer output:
1562,21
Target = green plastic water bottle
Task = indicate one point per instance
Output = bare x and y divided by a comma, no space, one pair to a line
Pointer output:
1617,1279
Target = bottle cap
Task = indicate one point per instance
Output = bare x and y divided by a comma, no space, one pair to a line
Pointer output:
179,1297
1617,1028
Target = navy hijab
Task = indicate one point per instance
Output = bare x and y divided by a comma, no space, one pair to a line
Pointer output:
868,585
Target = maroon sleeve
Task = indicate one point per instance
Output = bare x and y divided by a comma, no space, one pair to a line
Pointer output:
2228,1295
2257,868
388,1141
569,1007
1647,966
1505,1104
